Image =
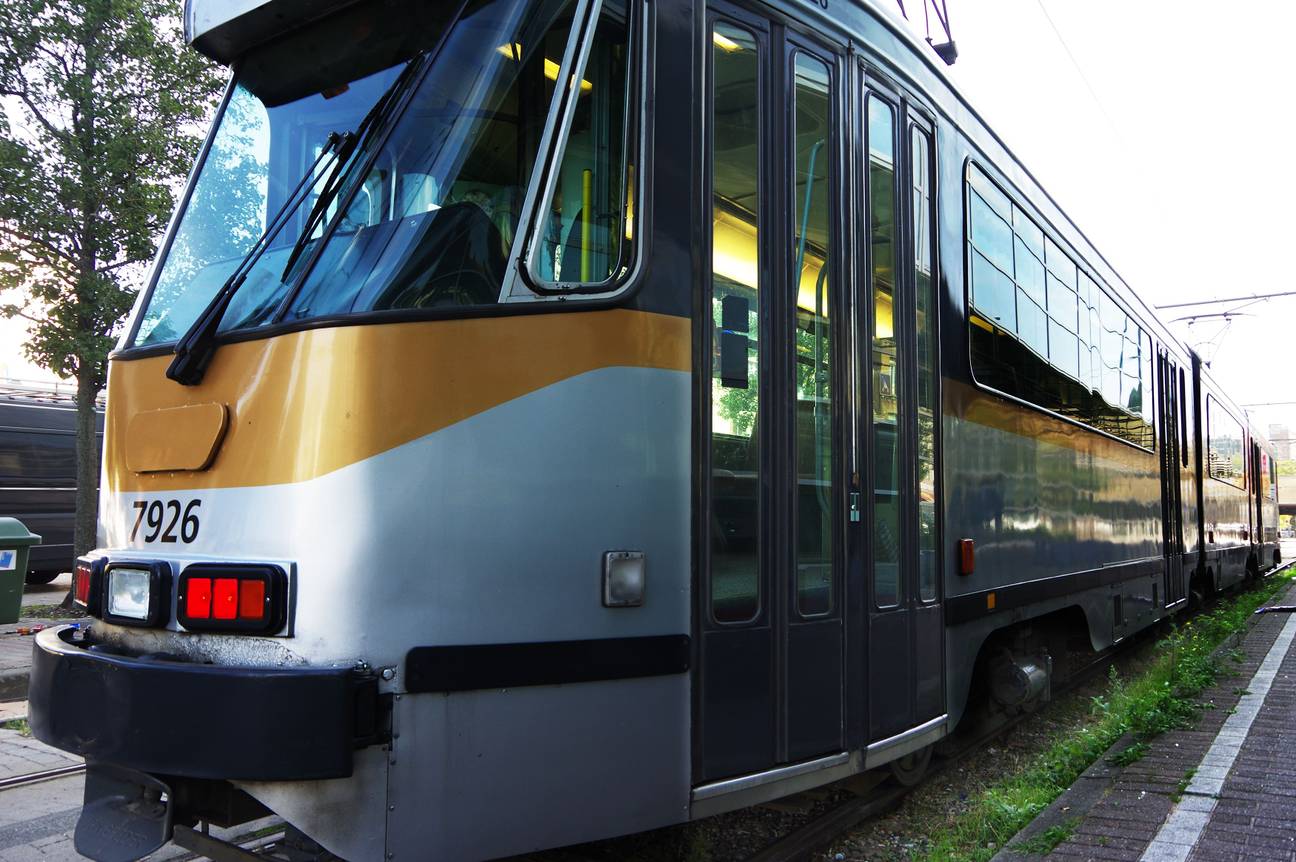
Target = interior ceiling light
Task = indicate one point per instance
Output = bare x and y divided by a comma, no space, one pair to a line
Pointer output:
551,69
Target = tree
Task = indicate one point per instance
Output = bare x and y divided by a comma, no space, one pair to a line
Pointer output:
100,119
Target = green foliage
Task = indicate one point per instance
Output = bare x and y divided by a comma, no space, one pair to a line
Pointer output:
1163,698
18,724
1045,842
1132,754
1183,784
101,108
102,121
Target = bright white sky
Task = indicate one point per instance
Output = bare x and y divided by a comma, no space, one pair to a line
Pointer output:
1177,166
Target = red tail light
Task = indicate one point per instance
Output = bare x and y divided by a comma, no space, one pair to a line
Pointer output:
87,584
219,597
81,582
198,599
225,599
251,600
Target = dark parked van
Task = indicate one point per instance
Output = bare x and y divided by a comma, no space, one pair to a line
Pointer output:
38,475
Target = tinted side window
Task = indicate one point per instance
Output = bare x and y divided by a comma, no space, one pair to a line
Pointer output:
1045,331
1224,452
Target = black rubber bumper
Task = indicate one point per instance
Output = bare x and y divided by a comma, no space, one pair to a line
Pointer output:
196,720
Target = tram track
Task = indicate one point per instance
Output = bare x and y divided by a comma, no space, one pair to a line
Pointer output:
26,779
843,817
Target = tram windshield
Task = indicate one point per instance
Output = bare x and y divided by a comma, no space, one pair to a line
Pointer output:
423,212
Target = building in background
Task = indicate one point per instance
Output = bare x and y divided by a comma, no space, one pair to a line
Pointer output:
1280,437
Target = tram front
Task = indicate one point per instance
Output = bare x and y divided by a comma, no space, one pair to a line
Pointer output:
375,524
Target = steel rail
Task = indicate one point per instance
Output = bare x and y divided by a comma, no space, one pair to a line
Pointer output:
12,781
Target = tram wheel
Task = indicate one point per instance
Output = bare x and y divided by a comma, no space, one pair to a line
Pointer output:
910,769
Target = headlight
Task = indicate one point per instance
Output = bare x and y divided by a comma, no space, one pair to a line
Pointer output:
137,594
128,593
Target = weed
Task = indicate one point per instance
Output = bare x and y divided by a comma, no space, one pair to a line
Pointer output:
18,724
1045,842
1130,755
1183,784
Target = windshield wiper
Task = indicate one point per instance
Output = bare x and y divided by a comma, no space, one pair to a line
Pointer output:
375,120
196,347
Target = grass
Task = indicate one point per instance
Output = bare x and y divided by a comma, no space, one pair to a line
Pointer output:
1183,784
1162,698
1044,843
1129,755
18,724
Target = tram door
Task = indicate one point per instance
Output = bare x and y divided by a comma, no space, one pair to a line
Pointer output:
1257,489
1171,479
899,422
770,615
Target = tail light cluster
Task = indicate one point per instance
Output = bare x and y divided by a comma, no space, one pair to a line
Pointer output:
215,597
219,597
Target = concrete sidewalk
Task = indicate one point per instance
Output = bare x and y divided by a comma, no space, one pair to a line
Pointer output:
15,649
1222,790
16,657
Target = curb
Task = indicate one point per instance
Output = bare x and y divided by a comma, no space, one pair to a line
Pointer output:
1097,780
13,685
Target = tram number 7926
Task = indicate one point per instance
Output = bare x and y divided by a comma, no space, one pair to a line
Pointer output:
154,514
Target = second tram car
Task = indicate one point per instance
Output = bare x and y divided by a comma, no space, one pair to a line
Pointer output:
553,419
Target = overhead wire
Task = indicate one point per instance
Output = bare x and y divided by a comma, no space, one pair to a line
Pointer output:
1079,71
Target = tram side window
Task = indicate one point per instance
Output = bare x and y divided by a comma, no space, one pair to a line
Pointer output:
813,354
1224,453
925,302
1273,477
888,400
585,232
735,303
1045,331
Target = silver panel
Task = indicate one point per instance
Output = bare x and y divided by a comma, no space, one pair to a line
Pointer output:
893,747
746,790
476,775
345,814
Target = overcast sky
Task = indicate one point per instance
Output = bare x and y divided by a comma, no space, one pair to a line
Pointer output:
1178,165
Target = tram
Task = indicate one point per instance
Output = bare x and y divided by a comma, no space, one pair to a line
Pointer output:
554,419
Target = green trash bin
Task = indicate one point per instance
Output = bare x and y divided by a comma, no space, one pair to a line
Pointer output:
15,541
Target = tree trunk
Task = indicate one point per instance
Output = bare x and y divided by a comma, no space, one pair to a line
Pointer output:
84,537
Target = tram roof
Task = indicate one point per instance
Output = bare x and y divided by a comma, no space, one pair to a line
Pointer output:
225,29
